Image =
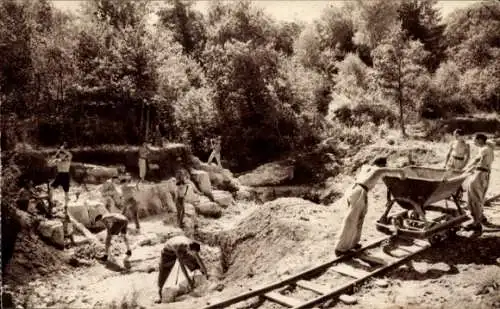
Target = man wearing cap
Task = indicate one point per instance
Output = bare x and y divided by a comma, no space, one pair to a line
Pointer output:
186,251
458,153
357,203
479,181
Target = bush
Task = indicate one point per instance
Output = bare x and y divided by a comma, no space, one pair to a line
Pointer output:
364,113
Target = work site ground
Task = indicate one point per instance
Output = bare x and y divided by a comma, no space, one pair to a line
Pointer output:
255,243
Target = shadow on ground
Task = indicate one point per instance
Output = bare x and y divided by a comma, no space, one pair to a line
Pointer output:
461,250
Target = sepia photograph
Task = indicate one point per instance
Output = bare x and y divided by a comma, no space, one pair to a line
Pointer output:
250,154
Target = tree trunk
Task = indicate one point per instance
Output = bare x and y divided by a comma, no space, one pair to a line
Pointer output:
400,98
141,128
148,108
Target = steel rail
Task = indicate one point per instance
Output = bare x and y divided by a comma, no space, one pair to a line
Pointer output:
340,290
294,278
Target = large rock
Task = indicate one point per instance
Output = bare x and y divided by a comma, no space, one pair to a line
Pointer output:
86,212
223,198
52,231
80,213
219,177
202,179
90,173
269,174
209,209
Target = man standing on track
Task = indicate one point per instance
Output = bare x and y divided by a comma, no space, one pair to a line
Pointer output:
458,153
479,182
357,203
186,251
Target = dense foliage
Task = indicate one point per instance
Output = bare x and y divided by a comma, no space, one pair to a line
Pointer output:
110,75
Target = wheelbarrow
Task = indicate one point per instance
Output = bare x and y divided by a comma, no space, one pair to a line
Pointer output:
417,195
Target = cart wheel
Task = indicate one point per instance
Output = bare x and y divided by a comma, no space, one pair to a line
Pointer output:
435,240
414,215
451,233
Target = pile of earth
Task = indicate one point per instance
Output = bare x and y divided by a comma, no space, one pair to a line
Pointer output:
33,258
281,232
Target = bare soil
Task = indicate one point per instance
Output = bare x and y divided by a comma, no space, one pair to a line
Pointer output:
260,243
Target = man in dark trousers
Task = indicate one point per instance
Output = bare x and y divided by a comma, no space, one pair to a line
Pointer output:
186,251
115,224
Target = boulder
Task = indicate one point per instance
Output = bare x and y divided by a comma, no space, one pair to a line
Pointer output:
219,177
86,212
223,198
209,209
269,174
52,230
245,193
95,208
90,173
80,213
202,180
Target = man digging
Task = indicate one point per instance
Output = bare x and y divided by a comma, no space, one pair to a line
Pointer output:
186,252
115,224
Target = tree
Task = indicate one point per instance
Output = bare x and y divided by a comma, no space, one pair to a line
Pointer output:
353,78
399,71
186,24
373,21
16,67
472,35
422,21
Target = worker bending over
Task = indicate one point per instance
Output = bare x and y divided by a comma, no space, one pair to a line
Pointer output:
458,153
357,203
479,181
186,251
115,224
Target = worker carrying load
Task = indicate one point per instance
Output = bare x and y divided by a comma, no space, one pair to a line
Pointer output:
357,203
179,258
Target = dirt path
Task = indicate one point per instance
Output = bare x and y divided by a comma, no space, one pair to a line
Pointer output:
463,272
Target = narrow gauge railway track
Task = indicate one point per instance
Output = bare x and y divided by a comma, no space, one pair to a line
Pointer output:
380,255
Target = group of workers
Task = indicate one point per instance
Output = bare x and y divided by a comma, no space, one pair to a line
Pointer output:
186,251
178,248
457,160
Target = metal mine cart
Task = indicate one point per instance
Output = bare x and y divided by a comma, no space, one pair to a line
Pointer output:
418,195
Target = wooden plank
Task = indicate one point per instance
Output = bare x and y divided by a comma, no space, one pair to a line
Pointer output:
311,286
372,260
348,299
493,198
282,299
350,271
290,280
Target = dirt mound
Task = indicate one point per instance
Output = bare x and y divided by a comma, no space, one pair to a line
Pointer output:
32,258
275,231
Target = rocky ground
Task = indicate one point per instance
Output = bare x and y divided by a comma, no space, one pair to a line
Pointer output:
259,243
